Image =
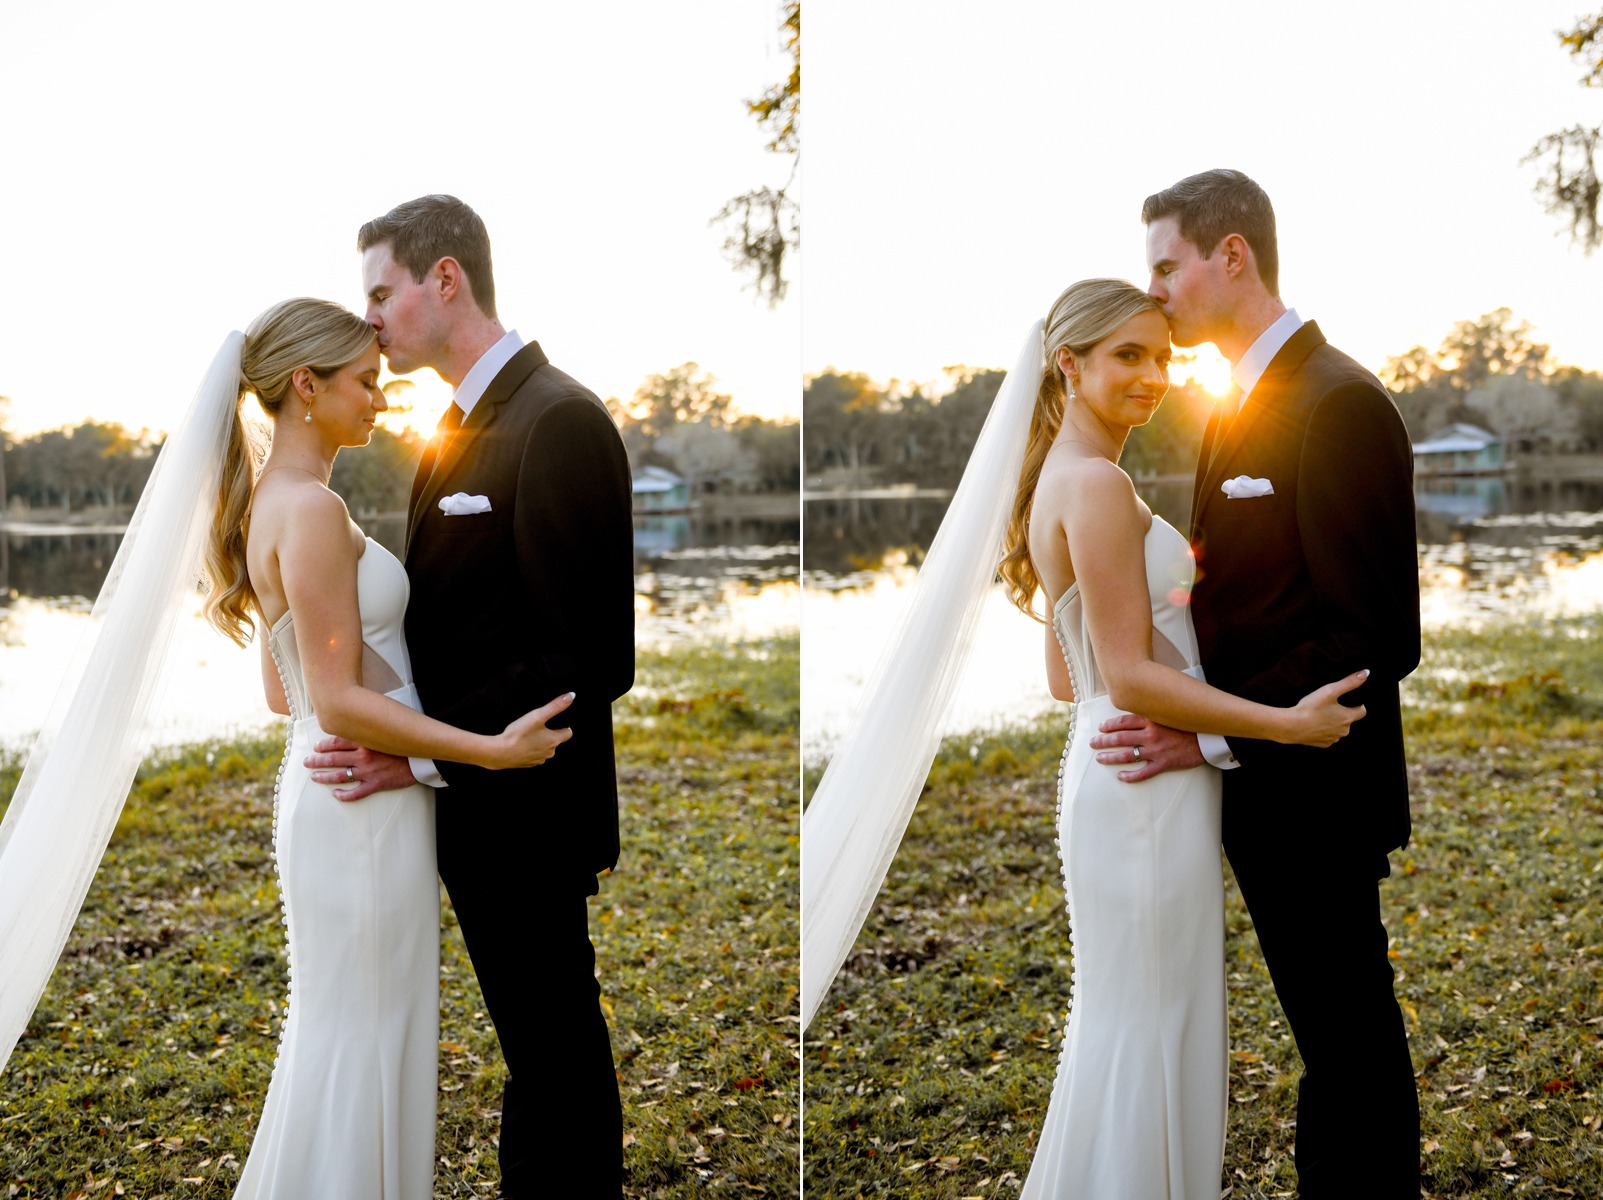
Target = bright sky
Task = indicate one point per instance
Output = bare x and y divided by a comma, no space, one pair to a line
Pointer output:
172,169
966,162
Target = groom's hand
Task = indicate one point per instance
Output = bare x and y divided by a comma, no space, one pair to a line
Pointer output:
1152,749
365,771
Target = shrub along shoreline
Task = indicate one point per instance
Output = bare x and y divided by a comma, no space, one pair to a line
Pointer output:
144,1068
927,1072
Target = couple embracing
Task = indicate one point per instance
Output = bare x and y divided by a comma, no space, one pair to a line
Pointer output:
449,716
1239,685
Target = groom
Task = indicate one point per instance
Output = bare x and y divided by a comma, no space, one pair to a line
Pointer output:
1302,578
511,606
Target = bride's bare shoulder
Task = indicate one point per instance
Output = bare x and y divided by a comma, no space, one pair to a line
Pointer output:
291,509
1082,480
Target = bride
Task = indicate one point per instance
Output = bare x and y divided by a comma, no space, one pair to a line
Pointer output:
350,1110
1138,1106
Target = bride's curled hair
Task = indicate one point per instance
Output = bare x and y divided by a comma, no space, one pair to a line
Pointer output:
1082,316
317,334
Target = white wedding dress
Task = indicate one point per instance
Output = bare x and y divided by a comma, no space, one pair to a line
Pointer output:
351,1107
1138,1107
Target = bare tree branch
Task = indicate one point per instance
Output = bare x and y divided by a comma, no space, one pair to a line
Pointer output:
763,225
1568,187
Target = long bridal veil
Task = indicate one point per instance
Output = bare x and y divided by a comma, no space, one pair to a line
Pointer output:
860,811
72,790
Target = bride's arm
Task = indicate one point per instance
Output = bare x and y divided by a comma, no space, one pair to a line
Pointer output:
317,562
1106,532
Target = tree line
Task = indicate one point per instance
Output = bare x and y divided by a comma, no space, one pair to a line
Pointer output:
678,420
1492,372
102,466
681,421
859,432
1489,371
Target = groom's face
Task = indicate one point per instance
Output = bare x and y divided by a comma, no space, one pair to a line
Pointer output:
1192,290
403,310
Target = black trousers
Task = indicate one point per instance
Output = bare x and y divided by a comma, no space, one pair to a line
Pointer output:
561,1117
1316,910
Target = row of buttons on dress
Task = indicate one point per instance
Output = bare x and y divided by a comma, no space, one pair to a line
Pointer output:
278,785
1057,835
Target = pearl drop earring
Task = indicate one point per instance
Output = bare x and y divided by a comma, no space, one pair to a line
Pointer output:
308,414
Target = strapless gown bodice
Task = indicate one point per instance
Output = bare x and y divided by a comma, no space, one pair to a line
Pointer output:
1171,570
382,592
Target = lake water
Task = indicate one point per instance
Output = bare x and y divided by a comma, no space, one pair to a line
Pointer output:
1487,548
704,576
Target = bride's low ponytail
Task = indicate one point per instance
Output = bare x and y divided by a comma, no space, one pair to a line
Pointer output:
1017,569
231,599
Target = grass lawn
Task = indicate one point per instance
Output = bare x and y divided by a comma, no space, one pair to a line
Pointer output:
929,1067
145,1066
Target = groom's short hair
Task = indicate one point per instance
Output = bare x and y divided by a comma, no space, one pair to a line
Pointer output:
423,231
1215,204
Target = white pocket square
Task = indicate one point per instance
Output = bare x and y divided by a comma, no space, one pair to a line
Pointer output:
1244,487
461,504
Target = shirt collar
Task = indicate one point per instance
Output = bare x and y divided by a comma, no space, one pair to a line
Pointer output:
487,368
1261,353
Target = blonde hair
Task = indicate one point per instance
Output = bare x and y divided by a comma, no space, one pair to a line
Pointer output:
1085,314
317,334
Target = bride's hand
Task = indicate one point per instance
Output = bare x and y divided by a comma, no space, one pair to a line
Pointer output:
527,742
1320,719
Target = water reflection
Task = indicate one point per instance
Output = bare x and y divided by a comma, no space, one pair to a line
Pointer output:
1490,544
726,573
215,688
849,538
57,560
1457,500
1487,547
720,575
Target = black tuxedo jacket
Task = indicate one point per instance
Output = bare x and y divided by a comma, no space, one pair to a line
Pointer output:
1305,586
512,607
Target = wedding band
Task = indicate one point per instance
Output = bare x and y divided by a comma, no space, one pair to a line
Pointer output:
1136,750
350,774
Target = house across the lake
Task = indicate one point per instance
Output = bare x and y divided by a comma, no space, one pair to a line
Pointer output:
1460,450
657,489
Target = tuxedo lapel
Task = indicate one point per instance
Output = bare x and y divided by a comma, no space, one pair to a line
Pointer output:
448,425
451,448
426,490
1205,460
1264,406
425,471
1229,444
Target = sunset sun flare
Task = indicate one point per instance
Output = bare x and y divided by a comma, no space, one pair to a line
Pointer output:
1205,367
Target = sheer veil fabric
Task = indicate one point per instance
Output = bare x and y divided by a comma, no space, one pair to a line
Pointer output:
859,813
93,737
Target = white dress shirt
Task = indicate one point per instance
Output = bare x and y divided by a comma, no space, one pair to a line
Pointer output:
1246,375
465,397
487,368
1261,353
